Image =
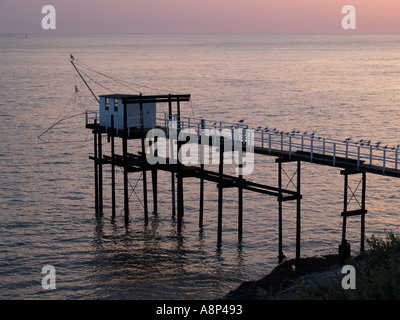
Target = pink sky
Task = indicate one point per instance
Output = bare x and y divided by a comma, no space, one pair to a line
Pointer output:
199,16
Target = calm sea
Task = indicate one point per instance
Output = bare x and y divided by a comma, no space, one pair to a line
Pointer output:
338,86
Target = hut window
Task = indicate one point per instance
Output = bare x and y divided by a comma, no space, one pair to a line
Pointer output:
106,104
116,105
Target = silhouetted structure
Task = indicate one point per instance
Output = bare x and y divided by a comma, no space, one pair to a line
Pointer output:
132,116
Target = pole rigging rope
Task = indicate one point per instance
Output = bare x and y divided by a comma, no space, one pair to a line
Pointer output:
71,59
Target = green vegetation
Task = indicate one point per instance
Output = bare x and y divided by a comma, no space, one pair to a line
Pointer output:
377,275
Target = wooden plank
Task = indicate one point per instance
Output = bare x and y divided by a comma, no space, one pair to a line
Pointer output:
354,212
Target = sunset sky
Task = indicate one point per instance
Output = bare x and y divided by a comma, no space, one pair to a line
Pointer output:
199,16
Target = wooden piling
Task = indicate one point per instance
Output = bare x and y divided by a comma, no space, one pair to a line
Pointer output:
346,182
280,250
179,183
363,209
240,198
96,176
179,176
220,190
344,247
298,211
100,164
112,169
201,209
173,200
125,159
171,156
144,176
145,203
154,182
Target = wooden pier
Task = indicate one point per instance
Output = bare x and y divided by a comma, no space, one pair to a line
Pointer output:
353,158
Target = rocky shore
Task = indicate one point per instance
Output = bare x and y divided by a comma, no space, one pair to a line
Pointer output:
281,282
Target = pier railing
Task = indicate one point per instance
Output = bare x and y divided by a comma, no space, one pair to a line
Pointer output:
90,117
291,142
362,151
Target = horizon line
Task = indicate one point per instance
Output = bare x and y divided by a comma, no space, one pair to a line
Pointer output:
199,33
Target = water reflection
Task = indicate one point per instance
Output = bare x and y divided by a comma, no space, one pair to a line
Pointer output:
154,262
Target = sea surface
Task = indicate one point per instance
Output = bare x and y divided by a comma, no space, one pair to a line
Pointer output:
338,86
